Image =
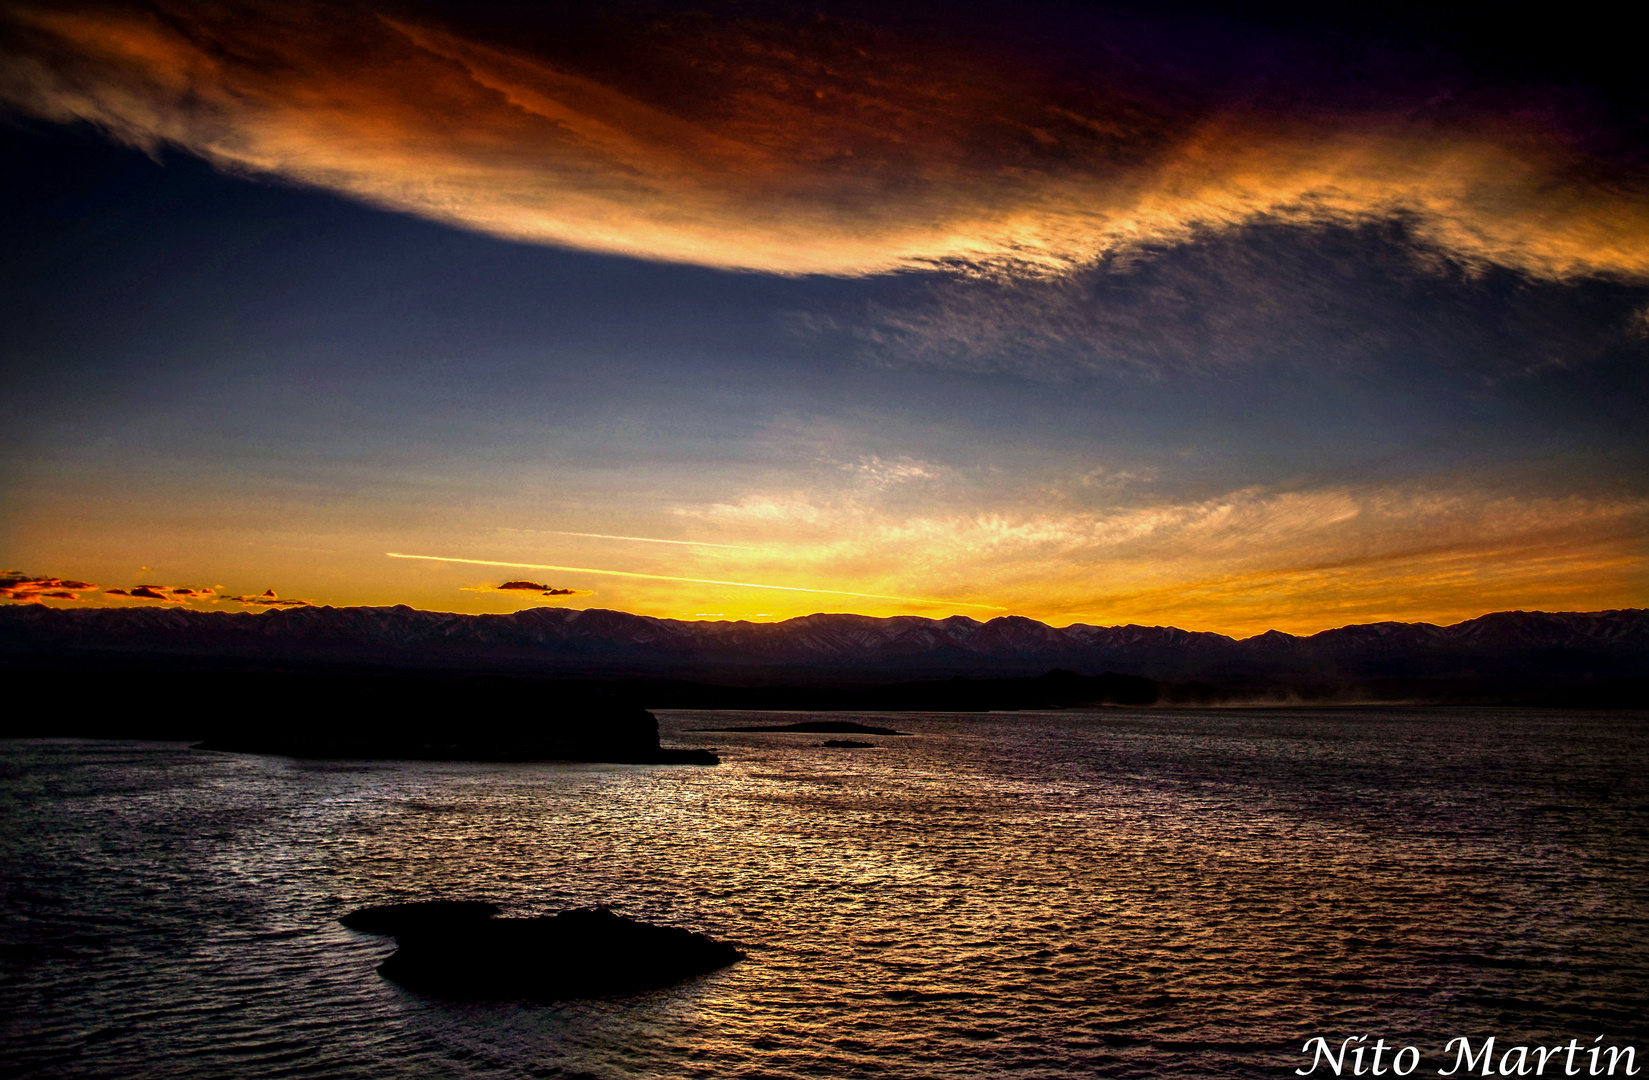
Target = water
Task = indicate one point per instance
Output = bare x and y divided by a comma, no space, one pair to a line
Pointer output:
1047,895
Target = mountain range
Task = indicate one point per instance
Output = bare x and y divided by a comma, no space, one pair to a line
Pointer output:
1513,650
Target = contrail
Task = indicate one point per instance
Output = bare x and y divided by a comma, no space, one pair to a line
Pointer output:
644,539
691,580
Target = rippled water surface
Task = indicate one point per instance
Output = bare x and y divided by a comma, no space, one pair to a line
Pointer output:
1107,894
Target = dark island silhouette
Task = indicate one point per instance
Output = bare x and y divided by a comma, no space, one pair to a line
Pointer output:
483,719
460,949
345,714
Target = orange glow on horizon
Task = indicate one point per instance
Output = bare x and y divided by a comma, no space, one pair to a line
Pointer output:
1240,564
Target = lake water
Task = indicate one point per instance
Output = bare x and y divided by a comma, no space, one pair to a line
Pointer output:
1046,895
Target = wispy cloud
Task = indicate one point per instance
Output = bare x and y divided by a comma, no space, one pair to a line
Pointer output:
841,148
880,473
1268,293
1251,558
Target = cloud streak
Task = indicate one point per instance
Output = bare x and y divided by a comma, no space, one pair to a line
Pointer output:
841,148
692,580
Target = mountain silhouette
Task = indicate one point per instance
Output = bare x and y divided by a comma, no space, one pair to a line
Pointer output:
1500,654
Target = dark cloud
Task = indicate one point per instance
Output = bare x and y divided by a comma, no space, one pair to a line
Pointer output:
545,590
16,585
173,594
176,594
267,598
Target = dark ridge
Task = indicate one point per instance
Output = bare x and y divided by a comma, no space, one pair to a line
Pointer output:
457,949
832,662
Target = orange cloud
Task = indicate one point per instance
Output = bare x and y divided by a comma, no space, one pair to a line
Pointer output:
835,149
267,598
16,585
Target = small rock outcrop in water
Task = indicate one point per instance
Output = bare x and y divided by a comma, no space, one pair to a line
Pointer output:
848,744
458,949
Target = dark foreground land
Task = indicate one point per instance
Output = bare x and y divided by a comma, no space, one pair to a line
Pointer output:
335,714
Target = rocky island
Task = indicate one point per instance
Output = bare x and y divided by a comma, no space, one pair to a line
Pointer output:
462,950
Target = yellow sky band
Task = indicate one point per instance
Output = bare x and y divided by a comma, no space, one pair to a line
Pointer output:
649,540
690,580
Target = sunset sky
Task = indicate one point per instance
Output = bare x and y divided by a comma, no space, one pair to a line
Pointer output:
1156,314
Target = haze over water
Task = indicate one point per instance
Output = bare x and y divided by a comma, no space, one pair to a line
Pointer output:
1109,894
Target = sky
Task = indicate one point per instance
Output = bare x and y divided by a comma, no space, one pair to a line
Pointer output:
1231,320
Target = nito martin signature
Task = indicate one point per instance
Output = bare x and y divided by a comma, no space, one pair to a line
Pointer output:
1356,1057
